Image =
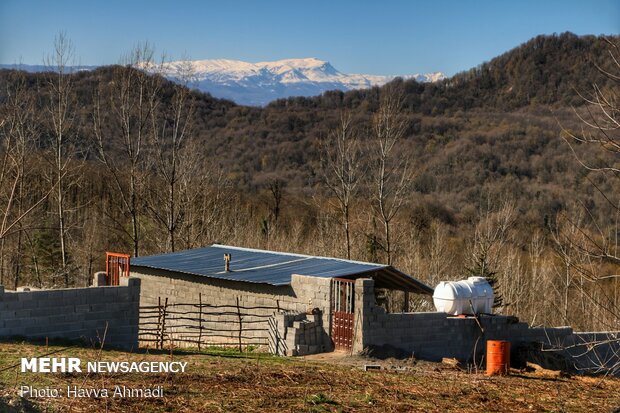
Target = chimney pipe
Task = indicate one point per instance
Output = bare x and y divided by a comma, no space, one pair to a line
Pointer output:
227,258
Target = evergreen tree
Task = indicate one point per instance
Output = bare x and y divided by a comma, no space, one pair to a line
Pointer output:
481,269
48,251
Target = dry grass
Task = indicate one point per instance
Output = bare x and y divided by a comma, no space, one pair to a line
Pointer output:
225,381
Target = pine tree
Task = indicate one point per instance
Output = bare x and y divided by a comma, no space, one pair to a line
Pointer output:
48,251
481,269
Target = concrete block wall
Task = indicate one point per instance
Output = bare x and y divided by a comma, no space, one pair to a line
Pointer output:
297,334
317,293
75,313
432,336
304,294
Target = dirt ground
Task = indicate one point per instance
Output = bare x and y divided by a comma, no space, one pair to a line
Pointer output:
225,381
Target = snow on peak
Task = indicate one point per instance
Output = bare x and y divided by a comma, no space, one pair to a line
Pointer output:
262,82
307,63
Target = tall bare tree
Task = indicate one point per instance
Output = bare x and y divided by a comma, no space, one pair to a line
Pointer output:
392,172
342,170
173,156
61,113
123,114
19,134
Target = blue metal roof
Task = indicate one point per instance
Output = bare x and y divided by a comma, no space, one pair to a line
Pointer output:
251,265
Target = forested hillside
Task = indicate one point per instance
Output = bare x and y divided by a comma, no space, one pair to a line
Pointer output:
481,180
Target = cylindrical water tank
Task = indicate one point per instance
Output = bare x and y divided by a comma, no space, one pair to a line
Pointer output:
471,296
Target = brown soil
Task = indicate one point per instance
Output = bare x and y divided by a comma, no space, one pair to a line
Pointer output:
333,382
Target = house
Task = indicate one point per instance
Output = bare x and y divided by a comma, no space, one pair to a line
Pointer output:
267,283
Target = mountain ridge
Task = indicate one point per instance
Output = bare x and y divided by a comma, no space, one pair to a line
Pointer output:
258,84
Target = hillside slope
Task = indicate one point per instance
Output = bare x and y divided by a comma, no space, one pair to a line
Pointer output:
496,127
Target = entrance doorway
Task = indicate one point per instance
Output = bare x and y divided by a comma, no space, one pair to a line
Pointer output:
343,304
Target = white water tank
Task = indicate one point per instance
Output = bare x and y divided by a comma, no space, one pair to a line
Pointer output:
471,296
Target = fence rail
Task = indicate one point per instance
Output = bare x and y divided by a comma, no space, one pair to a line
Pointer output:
204,324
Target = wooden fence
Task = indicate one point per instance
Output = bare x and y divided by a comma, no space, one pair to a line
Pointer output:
202,324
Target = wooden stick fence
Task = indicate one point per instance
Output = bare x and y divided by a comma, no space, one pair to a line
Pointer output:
199,324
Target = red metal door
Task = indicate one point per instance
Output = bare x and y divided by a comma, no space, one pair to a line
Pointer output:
343,300
116,266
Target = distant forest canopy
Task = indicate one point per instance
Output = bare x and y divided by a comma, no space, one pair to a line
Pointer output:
484,149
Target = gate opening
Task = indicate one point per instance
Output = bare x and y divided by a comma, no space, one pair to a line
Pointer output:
116,266
343,304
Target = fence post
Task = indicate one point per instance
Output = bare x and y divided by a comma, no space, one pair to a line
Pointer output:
163,323
240,325
199,320
158,335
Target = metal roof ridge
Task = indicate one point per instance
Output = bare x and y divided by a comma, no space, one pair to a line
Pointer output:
214,276
260,267
299,255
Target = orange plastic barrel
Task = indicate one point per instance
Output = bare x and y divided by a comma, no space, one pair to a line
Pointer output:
498,357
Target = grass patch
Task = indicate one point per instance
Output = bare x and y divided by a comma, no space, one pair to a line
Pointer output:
321,398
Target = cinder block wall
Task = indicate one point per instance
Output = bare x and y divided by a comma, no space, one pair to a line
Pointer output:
76,313
432,336
303,294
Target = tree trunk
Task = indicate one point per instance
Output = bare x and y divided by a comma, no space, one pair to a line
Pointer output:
61,224
134,214
346,231
388,246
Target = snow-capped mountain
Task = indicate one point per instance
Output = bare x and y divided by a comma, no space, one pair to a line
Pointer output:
262,82
259,83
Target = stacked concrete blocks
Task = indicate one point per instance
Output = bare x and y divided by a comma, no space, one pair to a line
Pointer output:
298,334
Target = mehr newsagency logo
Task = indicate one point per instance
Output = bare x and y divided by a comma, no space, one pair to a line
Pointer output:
47,365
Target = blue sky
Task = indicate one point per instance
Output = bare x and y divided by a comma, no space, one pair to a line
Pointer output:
381,37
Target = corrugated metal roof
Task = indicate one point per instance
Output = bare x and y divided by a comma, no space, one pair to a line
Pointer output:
252,265
260,266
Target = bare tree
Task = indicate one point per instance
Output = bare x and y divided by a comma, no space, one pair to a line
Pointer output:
61,110
208,199
439,256
276,189
601,134
392,172
19,132
173,158
589,247
127,112
269,225
491,236
342,170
